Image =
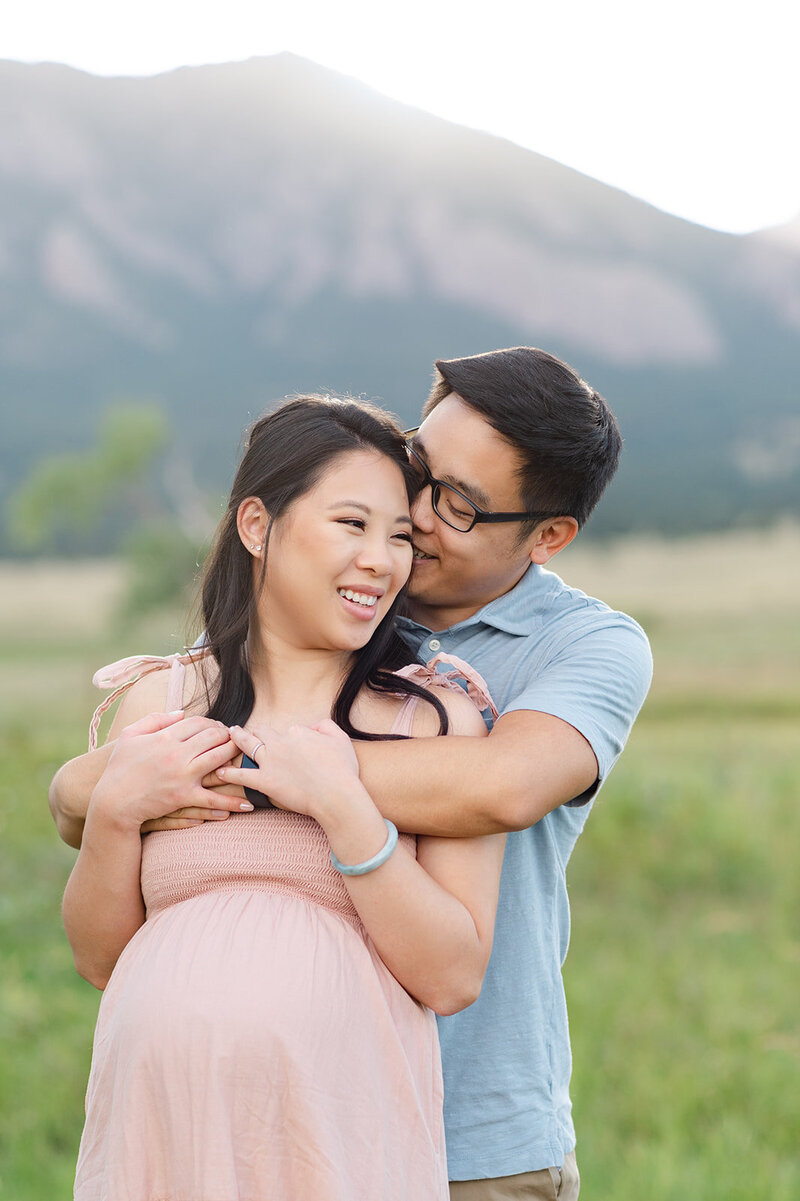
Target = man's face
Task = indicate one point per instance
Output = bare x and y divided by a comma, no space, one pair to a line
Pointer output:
455,573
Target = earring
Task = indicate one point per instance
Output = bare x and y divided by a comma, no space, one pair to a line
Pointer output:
254,547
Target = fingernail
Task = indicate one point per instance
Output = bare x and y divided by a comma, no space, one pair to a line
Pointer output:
219,812
174,712
246,806
221,771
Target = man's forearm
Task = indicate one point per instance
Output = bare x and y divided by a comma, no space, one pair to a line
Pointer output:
463,787
418,785
71,789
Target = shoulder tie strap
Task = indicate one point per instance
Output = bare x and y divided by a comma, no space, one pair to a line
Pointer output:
123,674
427,674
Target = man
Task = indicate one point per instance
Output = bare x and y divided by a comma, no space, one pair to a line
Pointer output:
513,453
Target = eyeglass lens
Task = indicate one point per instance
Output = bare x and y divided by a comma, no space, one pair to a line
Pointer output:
448,504
452,508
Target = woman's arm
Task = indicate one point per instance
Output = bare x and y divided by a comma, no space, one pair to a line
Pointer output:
103,906
431,918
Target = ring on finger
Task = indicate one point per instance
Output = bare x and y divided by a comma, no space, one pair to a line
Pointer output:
257,747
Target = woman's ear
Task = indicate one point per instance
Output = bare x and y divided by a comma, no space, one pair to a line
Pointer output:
252,522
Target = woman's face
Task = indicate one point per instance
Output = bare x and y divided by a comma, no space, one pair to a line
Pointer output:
339,556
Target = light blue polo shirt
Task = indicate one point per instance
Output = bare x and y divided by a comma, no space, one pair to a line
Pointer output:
507,1064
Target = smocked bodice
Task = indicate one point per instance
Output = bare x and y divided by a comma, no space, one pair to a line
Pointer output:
268,850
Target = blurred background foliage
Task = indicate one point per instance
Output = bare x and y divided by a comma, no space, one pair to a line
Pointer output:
74,492
128,487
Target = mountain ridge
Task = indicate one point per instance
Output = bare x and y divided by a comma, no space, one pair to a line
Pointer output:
256,227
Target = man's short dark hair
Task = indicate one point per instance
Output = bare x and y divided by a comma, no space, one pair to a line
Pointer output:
564,432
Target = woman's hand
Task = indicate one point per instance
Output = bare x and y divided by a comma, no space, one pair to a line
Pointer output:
156,769
305,769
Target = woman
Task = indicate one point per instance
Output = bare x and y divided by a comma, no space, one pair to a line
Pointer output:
266,1028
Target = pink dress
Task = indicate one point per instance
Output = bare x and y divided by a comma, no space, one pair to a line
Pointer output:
251,1045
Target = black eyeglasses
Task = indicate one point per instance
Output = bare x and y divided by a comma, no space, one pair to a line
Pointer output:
453,507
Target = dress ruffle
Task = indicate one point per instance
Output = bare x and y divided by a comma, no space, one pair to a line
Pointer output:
427,674
124,673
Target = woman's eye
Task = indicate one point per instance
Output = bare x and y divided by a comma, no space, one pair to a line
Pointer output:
403,535
358,522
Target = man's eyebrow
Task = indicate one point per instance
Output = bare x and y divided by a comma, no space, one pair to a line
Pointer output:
471,491
358,504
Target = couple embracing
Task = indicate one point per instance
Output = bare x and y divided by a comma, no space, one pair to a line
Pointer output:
299,843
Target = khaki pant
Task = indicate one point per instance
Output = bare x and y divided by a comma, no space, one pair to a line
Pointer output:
549,1184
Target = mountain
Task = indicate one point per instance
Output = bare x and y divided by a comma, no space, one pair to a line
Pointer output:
218,236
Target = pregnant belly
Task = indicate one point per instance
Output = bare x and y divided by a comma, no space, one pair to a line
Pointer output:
245,1028
232,975
248,1039
235,957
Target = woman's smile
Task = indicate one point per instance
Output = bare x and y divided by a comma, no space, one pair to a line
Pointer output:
362,603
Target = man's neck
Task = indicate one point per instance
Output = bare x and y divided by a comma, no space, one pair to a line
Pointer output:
442,617
435,618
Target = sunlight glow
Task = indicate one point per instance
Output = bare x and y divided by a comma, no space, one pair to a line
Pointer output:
690,106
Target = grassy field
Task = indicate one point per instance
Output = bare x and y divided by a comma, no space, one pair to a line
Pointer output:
684,967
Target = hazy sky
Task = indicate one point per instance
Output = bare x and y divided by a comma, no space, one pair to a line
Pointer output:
692,105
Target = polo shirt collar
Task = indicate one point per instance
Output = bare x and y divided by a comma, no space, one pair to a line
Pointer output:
512,612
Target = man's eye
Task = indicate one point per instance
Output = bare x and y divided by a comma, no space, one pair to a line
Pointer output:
451,503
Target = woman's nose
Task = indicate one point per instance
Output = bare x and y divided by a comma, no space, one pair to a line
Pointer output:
374,556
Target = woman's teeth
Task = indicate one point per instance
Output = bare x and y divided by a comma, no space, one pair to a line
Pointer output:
360,598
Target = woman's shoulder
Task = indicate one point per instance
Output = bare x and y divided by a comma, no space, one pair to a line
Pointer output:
378,713
463,715
180,681
152,684
459,687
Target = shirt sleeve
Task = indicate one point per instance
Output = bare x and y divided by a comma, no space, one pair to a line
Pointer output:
597,681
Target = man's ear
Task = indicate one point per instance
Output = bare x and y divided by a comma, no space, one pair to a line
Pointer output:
551,537
252,522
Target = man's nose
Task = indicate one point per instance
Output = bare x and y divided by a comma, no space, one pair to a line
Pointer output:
422,513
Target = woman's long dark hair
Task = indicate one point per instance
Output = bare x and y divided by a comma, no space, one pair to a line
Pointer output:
287,452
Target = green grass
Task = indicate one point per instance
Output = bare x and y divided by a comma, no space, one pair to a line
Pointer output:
683,971
682,974
46,1011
